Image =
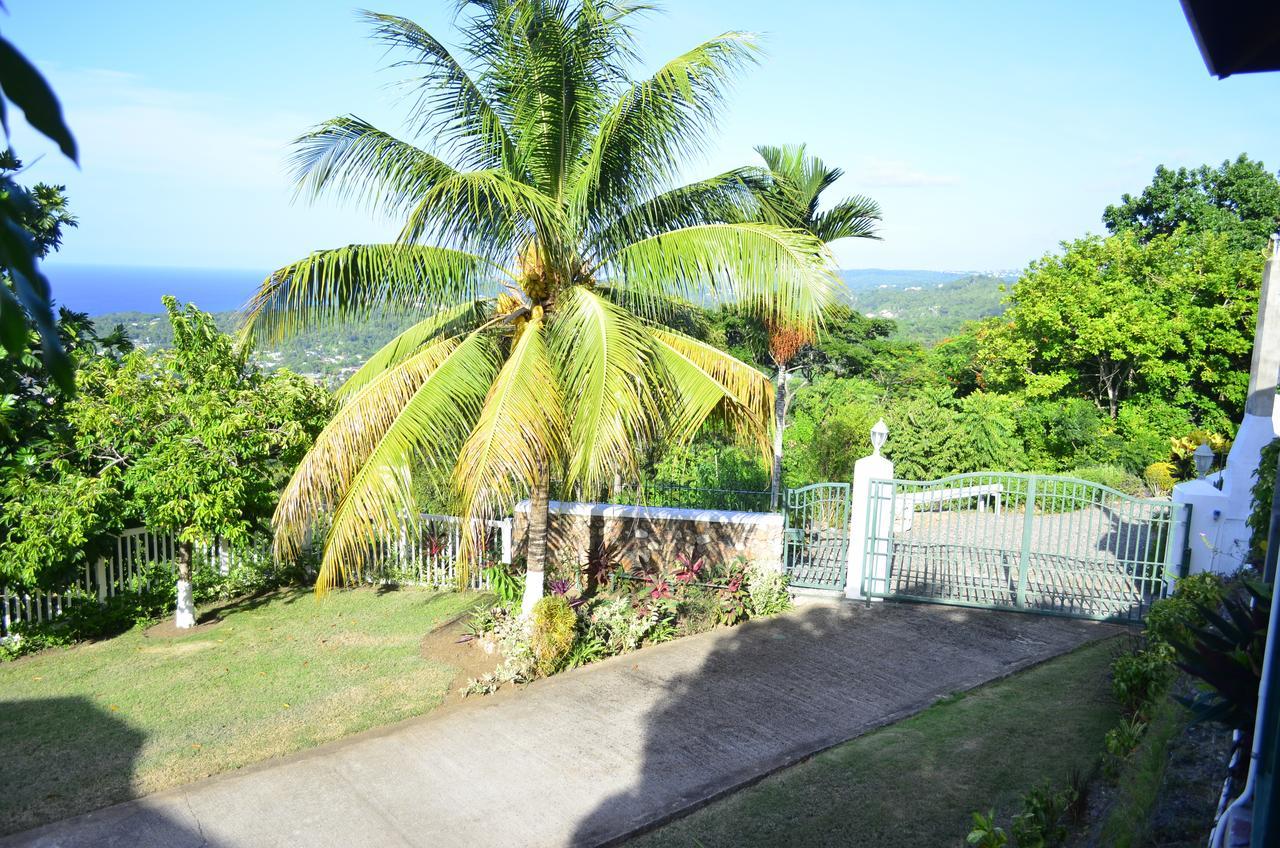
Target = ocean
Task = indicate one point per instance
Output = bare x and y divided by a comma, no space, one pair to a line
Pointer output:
98,289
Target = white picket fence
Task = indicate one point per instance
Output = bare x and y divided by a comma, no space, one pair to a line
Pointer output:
426,558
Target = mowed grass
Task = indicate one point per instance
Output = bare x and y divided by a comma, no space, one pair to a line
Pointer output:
915,783
91,725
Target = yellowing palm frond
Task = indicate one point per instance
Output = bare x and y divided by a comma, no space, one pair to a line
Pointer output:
605,359
520,430
708,381
344,445
427,431
448,321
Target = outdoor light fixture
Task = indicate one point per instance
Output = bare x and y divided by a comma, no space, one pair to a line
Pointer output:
879,434
1204,459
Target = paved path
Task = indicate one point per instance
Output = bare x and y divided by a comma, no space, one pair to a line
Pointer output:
594,754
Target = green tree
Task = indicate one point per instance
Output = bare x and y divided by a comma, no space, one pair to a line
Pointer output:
196,440
543,233
1240,199
792,199
1116,319
51,513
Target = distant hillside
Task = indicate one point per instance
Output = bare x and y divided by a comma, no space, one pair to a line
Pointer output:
329,355
929,311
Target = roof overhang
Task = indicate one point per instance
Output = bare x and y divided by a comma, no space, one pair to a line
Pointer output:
1236,36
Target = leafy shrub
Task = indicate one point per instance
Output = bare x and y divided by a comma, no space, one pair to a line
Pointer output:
1159,477
1264,489
985,832
147,596
587,648
1041,822
554,624
616,623
1138,679
509,587
1112,476
766,591
1170,618
1120,743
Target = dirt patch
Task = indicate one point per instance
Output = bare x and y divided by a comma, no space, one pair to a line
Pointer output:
166,630
452,645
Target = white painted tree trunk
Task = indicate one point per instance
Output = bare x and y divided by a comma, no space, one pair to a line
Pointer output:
185,614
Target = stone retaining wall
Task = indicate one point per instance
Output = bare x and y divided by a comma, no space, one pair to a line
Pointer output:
644,536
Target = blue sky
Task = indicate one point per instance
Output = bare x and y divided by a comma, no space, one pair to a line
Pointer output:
989,132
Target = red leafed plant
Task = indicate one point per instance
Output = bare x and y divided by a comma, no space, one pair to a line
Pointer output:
687,570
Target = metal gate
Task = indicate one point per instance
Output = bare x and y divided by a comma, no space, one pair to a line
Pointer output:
817,535
1054,545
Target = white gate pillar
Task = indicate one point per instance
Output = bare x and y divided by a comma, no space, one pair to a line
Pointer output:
865,470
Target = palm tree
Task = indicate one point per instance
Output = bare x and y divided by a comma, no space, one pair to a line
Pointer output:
543,234
790,199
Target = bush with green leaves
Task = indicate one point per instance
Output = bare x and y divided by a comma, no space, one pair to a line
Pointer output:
1171,617
1138,679
1120,743
1111,476
1264,489
554,627
1042,822
144,598
985,833
1225,654
505,583
766,591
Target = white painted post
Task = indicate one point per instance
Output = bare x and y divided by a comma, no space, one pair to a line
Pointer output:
505,529
100,577
865,470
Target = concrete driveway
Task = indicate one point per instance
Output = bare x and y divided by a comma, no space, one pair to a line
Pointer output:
593,755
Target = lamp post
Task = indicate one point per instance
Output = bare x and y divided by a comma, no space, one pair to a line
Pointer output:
1204,459
879,434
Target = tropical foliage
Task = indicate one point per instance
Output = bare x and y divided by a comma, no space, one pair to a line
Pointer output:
193,440
544,234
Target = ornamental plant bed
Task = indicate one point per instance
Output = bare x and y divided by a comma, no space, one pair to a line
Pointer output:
588,616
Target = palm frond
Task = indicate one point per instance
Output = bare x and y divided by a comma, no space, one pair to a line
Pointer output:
733,196
520,431
605,359
357,161
446,322
854,217
649,134
450,107
707,382
486,211
784,276
346,283
425,432
346,442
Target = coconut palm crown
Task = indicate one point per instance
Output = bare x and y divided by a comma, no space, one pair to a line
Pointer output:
543,232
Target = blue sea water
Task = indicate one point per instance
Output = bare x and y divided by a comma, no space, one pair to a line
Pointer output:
97,289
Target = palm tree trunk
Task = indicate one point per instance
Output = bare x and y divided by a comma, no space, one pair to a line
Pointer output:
779,424
536,550
185,614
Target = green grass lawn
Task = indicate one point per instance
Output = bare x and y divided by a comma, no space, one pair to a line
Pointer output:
916,782
87,726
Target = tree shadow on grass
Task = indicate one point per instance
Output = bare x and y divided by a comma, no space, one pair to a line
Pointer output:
51,772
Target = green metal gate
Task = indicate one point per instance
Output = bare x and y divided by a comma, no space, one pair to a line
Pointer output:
817,535
1054,545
